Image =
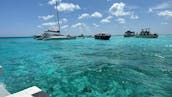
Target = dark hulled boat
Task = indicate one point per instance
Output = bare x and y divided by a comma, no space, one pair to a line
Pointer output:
102,36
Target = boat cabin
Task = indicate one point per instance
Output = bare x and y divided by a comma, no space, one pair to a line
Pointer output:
129,34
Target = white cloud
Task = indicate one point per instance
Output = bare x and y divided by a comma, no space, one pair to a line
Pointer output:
64,20
150,10
164,23
95,25
39,26
80,27
120,20
53,25
165,13
109,17
160,6
46,17
134,17
68,7
77,25
93,15
96,15
65,26
84,15
49,24
117,9
52,2
106,20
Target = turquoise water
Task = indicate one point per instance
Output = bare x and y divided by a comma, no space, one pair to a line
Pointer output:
120,67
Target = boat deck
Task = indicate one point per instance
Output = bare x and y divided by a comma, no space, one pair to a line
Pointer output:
30,92
3,91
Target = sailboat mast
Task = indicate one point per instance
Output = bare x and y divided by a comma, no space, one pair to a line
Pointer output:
58,20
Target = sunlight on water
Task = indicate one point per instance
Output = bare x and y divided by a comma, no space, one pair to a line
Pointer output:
120,67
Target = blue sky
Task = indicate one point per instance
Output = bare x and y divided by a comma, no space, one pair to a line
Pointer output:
30,17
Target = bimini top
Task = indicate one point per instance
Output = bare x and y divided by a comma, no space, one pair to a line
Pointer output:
55,31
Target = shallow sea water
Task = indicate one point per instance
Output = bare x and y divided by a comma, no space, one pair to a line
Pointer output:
120,67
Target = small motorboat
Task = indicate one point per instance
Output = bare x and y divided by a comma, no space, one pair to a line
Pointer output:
129,34
102,36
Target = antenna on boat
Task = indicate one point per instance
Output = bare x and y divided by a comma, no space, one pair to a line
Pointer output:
58,20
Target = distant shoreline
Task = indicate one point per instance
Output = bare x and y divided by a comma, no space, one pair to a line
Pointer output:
32,36
18,37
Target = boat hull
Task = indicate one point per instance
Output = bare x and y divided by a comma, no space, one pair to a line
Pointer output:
102,37
47,36
128,35
146,36
59,38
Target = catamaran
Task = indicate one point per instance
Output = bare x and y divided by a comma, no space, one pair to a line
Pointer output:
54,34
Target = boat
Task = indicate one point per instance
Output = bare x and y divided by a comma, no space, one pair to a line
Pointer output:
54,34
129,34
48,36
81,36
102,36
145,33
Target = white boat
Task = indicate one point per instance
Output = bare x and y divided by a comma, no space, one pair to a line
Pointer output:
53,34
48,36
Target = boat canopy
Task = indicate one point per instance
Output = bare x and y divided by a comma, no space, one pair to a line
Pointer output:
55,31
